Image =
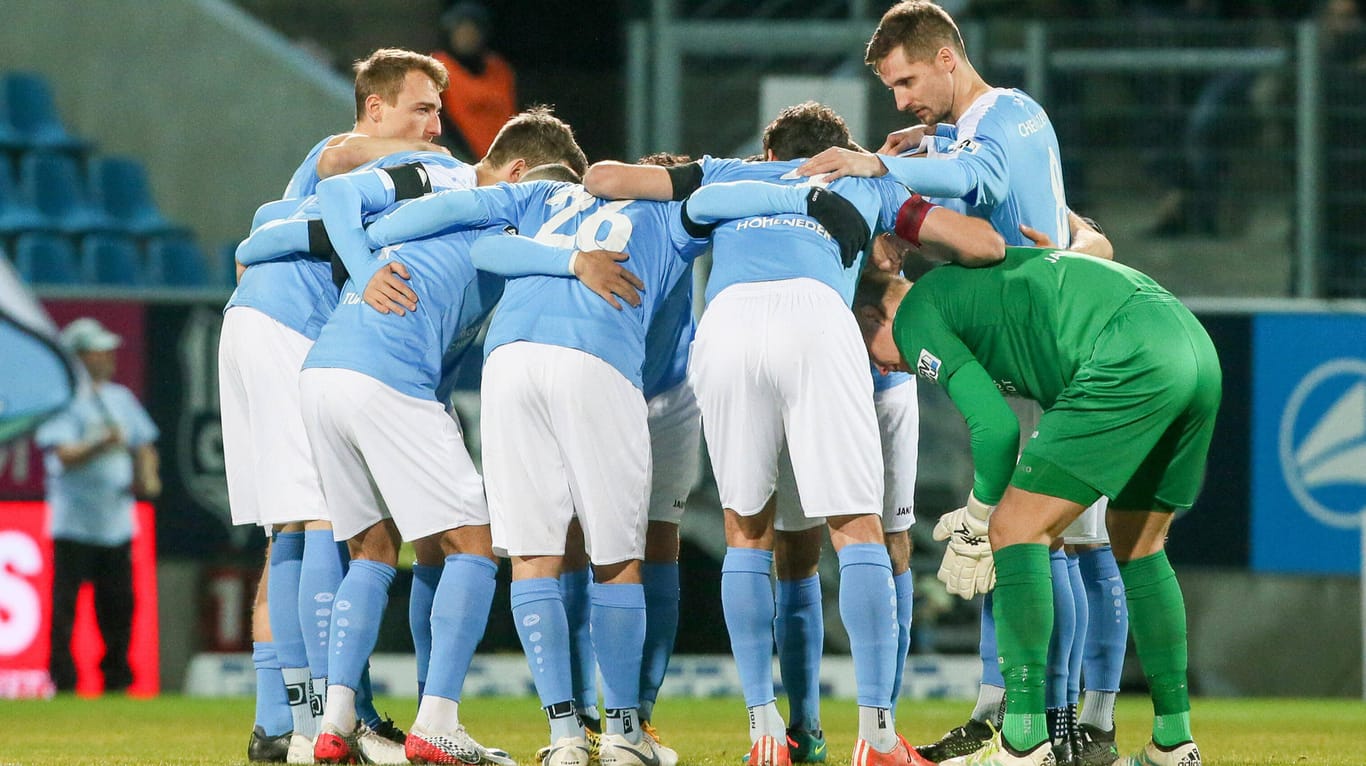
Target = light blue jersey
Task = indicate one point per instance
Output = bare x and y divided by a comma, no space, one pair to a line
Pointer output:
791,246
415,352
296,289
669,339
305,179
891,380
93,502
560,311
1003,162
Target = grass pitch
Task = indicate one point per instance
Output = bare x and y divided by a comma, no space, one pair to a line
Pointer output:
213,732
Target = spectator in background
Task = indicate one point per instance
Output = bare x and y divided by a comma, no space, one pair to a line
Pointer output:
98,455
482,94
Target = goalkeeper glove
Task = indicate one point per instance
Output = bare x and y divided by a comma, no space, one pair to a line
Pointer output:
968,568
841,220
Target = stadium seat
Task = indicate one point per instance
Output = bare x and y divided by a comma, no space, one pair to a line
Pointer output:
28,102
176,262
54,184
111,259
120,186
225,268
46,259
17,213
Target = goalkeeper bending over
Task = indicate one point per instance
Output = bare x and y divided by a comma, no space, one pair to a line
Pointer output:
1130,383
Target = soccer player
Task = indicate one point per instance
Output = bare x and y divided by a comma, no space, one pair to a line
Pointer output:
1002,161
675,426
776,357
1130,384
532,136
566,432
265,336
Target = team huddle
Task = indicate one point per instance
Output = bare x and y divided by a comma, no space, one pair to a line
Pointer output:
364,288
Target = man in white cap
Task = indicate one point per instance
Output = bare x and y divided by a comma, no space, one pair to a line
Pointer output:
99,454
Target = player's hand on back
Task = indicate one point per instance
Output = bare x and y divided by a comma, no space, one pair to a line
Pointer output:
1039,238
388,290
838,163
601,271
904,140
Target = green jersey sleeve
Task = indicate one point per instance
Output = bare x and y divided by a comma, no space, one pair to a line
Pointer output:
993,430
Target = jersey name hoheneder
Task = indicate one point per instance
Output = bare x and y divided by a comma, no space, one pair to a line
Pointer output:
297,291
769,248
1030,321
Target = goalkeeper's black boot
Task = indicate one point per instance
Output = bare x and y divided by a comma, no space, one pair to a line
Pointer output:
963,740
265,749
1060,735
1096,746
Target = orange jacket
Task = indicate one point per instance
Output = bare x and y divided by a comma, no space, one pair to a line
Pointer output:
479,106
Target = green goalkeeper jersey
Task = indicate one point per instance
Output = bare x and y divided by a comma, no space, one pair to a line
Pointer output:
1029,322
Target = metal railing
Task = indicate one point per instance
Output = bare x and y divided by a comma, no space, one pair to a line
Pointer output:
693,84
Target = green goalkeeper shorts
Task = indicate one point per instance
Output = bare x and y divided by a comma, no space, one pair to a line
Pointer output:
1135,422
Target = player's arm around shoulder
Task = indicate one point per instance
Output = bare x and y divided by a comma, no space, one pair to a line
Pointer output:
1087,237
610,179
942,234
348,151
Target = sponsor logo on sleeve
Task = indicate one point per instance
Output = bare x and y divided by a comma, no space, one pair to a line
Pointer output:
927,366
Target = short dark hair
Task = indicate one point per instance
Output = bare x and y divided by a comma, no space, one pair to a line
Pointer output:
539,137
552,171
920,28
664,159
872,287
805,130
382,73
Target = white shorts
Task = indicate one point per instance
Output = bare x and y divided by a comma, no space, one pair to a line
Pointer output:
1089,527
784,359
564,430
898,420
271,476
382,454
676,449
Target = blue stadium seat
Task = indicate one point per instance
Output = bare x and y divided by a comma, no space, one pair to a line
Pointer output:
54,184
176,262
225,268
111,259
121,188
28,102
17,213
46,259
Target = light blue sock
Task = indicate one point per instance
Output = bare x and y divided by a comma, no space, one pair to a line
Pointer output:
868,609
1064,627
800,630
459,616
365,693
272,705
618,617
425,580
747,601
1079,634
359,610
1107,629
282,599
319,579
583,663
986,647
661,628
538,610
905,603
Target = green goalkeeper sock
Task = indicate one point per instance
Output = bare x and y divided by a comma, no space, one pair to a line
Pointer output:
1023,608
1157,617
